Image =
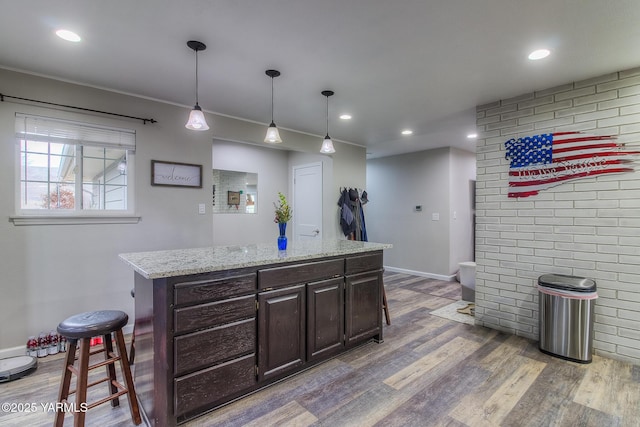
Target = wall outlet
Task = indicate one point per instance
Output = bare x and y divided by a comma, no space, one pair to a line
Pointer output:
202,208
418,208
435,216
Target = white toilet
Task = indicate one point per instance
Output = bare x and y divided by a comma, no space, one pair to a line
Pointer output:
468,280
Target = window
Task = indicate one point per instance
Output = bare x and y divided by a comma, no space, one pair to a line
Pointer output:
73,169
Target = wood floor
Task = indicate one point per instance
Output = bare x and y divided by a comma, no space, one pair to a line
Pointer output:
428,372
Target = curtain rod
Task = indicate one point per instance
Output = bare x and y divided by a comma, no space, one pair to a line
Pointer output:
144,121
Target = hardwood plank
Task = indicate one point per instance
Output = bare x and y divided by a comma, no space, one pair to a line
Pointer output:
291,414
279,394
358,359
578,415
547,400
512,346
610,387
405,295
428,407
476,411
445,289
450,352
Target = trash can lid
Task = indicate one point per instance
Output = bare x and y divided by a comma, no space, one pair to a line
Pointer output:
568,283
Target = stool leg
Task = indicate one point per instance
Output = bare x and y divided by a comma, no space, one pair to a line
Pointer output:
132,351
111,369
63,395
126,372
385,306
83,377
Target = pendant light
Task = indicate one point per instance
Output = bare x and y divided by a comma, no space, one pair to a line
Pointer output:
273,136
196,117
327,144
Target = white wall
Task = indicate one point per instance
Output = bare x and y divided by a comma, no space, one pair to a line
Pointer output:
52,271
271,167
396,185
588,227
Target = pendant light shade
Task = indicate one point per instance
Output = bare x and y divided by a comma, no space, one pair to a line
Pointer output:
196,117
273,136
327,144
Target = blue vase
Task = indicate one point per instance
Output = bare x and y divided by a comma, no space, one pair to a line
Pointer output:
282,239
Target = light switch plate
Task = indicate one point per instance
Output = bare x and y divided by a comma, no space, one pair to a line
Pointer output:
435,216
202,209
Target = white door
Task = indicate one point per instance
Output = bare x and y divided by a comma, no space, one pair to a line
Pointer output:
307,201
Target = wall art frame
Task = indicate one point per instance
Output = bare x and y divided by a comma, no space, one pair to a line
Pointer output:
174,174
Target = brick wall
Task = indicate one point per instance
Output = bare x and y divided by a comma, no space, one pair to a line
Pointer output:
225,181
588,227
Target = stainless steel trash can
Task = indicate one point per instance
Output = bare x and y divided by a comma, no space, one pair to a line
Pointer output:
565,316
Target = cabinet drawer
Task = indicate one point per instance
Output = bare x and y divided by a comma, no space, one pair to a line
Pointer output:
358,264
204,388
201,316
300,273
212,289
203,348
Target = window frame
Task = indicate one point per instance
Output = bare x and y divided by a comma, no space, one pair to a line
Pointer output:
78,215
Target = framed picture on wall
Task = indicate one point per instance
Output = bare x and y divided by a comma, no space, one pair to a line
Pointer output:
234,198
172,174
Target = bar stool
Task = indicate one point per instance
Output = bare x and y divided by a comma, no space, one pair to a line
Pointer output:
132,348
385,305
82,327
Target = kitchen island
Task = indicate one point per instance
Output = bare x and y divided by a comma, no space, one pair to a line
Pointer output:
214,324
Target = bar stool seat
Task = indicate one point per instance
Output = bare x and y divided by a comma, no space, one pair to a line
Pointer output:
93,324
79,329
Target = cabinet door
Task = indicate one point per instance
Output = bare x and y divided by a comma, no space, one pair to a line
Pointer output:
363,308
325,314
281,346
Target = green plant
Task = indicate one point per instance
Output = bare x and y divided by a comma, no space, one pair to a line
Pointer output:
283,211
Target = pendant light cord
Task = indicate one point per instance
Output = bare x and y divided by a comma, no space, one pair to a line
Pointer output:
196,76
327,116
271,99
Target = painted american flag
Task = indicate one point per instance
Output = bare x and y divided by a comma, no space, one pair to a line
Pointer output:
543,161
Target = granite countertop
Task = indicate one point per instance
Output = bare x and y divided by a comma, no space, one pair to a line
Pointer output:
179,262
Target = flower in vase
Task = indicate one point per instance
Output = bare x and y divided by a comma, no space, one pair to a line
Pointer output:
283,211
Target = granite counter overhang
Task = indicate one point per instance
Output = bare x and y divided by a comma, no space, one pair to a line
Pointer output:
181,262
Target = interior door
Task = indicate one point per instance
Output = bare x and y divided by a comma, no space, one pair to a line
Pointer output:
307,201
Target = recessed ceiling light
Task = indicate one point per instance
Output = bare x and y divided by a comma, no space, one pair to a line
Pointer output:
407,132
472,135
345,117
539,54
68,35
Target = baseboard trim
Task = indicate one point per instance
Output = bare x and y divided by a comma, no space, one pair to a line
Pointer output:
13,352
450,278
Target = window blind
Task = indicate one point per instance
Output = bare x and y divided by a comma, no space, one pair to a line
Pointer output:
45,129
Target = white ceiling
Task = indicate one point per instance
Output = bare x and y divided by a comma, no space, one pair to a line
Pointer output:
419,64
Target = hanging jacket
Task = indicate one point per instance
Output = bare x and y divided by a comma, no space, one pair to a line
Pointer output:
347,222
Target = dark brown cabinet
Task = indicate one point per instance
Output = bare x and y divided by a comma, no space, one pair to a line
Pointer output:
281,315
325,318
205,339
363,307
